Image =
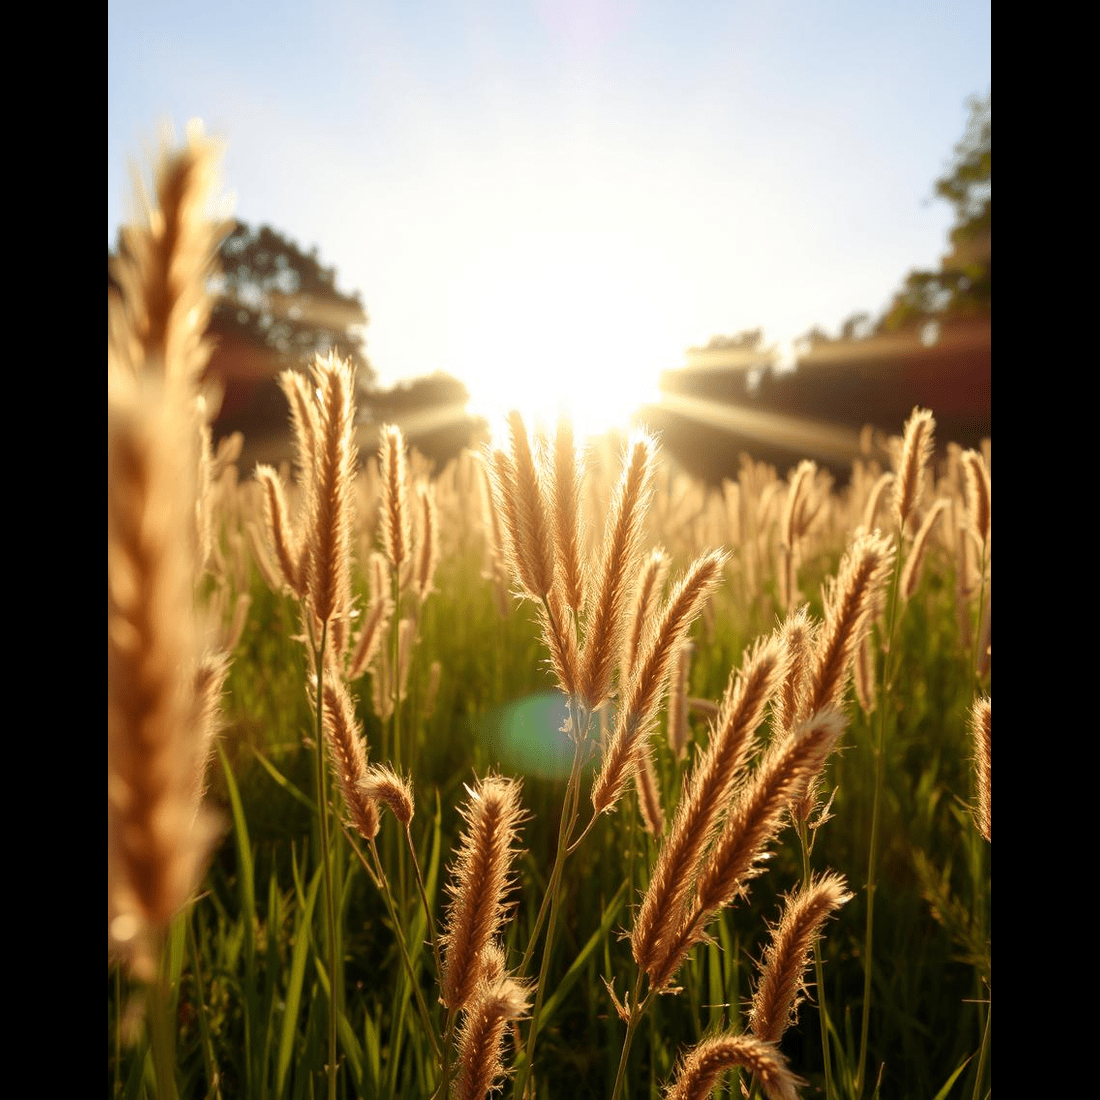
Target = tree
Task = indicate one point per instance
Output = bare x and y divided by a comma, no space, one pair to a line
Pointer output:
274,296
962,287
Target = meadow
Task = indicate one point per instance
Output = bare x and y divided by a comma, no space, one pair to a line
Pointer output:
552,771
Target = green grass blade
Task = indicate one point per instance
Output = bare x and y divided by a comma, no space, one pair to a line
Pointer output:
294,985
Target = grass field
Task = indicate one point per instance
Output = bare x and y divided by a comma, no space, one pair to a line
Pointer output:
594,777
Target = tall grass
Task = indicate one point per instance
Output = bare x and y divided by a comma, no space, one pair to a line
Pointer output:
442,882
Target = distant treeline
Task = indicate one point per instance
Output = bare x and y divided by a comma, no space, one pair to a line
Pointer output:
711,412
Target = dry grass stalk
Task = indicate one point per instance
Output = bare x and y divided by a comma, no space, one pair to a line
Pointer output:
784,775
383,784
863,675
277,517
617,569
531,538
642,695
373,630
481,1035
704,1065
480,883
782,979
916,450
348,756
850,607
158,324
568,535
981,727
708,794
910,574
874,500
428,555
798,635
396,534
157,725
650,583
561,640
332,499
978,494
649,793
679,682
304,424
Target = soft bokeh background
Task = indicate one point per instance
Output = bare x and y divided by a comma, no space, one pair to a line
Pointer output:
552,201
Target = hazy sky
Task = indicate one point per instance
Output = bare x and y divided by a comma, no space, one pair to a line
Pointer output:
515,186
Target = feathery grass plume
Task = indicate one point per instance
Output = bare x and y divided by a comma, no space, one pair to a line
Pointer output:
651,581
798,635
785,774
383,784
642,695
706,798
863,675
705,1063
156,842
348,756
373,630
210,675
916,450
978,493
568,536
649,793
910,574
561,640
534,547
794,523
981,728
288,554
617,570
406,639
496,568
678,699
481,1036
333,500
396,534
481,879
304,424
874,500
782,978
428,554
158,324
850,607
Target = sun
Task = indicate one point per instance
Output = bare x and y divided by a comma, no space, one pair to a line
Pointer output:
565,328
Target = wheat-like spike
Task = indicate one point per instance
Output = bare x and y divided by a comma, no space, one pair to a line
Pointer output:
874,500
384,785
163,269
157,837
916,450
978,493
679,681
396,535
481,1035
786,772
561,640
533,539
782,976
911,571
568,535
643,695
798,635
348,756
981,726
705,799
849,613
651,581
617,566
279,529
428,543
705,1063
333,517
481,880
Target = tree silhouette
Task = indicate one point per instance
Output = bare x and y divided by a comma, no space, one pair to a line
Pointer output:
962,287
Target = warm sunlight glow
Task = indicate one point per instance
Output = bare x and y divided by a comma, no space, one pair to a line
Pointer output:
563,326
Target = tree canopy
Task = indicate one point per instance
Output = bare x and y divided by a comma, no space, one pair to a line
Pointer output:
962,285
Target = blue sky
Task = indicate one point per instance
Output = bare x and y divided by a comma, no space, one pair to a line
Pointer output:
516,185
